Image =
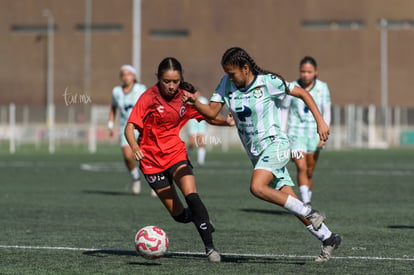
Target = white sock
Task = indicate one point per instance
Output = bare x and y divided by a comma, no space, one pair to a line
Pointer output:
322,234
134,174
304,193
297,207
201,155
310,195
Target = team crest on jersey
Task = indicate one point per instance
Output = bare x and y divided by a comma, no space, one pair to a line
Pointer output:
182,111
257,93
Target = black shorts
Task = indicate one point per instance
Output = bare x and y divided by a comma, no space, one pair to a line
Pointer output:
164,178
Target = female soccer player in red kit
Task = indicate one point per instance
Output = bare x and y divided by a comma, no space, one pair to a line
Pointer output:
159,115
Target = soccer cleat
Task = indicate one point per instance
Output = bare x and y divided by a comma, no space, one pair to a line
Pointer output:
316,218
136,187
153,193
328,246
213,256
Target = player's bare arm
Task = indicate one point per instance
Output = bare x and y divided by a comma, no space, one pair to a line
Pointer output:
130,136
111,119
210,111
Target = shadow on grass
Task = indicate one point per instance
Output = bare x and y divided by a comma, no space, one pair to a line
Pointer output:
252,259
132,253
266,211
102,252
401,226
108,193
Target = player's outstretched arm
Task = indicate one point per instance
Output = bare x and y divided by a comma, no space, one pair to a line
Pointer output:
130,136
221,121
323,128
209,111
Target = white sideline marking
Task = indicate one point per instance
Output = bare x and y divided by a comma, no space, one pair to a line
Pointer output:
375,172
224,254
48,247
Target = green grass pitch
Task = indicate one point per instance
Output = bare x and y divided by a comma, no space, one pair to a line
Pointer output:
58,215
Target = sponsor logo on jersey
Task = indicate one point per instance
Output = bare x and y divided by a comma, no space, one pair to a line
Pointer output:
257,93
265,159
203,226
243,112
160,109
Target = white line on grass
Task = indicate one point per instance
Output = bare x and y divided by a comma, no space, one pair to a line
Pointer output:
49,247
371,258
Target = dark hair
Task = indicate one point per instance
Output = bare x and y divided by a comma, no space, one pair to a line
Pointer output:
170,63
309,60
239,57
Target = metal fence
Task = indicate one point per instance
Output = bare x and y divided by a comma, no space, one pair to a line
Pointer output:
352,126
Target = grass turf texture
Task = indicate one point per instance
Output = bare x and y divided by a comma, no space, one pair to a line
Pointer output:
48,200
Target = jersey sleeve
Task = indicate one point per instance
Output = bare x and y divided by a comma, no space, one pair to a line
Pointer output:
142,88
138,112
219,93
191,113
203,100
276,87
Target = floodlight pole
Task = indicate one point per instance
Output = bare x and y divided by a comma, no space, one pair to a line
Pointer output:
136,36
88,44
384,78
50,117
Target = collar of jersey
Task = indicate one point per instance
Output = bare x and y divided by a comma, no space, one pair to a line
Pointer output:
251,85
313,86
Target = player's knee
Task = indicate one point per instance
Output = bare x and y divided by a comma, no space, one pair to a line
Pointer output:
257,189
309,173
184,217
192,198
301,169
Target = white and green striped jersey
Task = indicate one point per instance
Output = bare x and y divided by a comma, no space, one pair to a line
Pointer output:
301,122
126,101
255,109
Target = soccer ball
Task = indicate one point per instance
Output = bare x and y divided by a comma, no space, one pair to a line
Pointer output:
151,242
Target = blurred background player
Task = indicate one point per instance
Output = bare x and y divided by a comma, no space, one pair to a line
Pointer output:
301,125
124,98
159,115
197,132
253,96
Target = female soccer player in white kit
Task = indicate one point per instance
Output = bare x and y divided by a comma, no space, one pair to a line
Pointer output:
301,125
253,96
124,98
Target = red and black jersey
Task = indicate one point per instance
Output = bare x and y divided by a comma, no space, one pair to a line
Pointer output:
159,123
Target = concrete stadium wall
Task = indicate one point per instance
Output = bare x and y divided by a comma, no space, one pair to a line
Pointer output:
274,32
